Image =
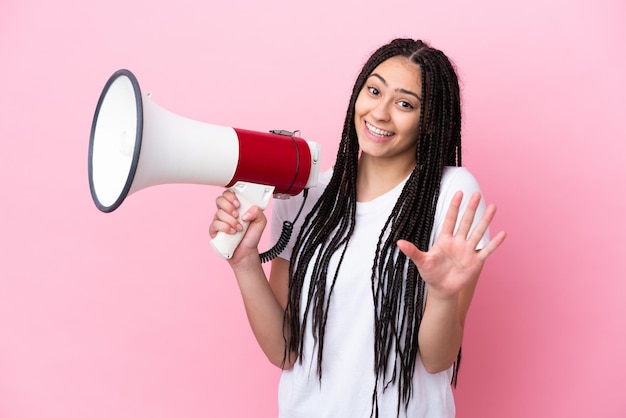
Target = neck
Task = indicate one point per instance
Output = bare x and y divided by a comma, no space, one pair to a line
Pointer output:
376,177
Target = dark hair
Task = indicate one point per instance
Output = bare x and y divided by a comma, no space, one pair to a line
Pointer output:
397,287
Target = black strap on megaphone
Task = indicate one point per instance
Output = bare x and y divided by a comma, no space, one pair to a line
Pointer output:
285,235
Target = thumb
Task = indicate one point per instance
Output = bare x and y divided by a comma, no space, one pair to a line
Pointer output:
257,221
410,250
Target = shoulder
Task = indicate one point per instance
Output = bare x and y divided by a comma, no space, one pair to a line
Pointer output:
287,210
294,202
457,178
322,181
324,178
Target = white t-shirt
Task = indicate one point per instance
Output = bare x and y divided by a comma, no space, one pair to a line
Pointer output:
348,381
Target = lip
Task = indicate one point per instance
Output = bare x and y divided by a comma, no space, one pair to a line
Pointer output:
375,138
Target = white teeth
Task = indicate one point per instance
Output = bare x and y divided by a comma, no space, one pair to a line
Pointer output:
377,131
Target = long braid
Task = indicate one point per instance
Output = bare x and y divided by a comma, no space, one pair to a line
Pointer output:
398,291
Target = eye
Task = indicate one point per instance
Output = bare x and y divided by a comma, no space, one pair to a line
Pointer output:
374,91
405,105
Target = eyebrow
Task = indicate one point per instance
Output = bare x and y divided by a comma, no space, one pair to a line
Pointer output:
405,91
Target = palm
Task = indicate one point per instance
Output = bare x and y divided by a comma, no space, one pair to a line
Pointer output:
453,262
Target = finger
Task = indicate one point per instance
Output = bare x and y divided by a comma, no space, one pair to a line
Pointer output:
225,219
251,214
449,221
482,226
467,220
257,222
254,215
492,245
410,250
227,205
220,226
231,197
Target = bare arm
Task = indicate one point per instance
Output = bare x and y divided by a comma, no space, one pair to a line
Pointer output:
263,300
451,269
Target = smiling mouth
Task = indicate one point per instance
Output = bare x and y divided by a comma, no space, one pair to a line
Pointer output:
376,131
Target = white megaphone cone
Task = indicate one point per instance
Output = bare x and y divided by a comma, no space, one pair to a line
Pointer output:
135,144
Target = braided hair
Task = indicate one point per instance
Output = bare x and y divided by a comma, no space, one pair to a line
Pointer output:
397,288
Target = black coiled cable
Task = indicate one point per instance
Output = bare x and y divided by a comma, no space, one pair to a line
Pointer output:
285,235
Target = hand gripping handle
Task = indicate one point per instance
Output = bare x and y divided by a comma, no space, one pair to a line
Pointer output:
248,194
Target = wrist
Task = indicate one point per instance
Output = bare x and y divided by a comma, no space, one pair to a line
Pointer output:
245,263
441,296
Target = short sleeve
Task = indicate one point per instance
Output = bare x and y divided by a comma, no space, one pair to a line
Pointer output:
287,209
280,214
453,180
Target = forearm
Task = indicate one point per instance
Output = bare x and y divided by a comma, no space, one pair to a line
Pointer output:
265,314
440,333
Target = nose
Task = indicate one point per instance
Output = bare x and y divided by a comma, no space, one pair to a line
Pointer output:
381,110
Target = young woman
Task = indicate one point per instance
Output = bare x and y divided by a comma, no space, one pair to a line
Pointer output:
365,309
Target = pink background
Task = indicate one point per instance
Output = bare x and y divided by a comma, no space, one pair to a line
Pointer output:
131,314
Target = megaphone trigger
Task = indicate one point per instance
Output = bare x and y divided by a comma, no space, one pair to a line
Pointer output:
248,194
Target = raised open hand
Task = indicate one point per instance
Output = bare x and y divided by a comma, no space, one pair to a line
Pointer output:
453,263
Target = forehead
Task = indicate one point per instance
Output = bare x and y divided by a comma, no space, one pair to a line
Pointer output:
400,72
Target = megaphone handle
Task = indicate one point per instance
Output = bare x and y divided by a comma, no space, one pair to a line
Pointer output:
248,194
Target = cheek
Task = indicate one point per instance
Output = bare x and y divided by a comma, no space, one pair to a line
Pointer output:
410,125
416,127
359,106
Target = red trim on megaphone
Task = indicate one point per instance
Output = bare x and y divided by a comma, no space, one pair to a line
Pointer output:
275,160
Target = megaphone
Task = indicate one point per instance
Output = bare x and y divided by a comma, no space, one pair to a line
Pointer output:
135,144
